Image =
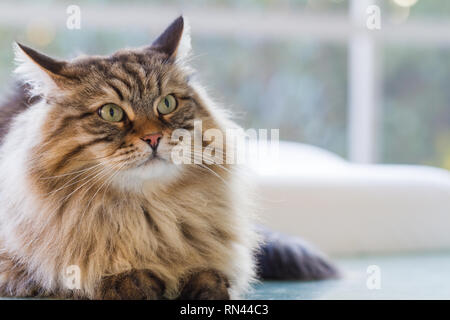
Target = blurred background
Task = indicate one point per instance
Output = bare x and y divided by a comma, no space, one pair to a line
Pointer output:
308,67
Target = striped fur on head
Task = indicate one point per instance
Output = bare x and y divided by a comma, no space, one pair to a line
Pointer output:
78,190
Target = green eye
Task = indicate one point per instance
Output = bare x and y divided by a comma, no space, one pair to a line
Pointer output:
167,105
111,112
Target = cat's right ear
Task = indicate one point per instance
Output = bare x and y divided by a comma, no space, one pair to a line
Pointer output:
39,71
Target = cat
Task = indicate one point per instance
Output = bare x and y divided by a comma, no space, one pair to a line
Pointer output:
88,181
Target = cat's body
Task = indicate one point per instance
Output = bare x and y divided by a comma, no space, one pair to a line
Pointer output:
98,190
194,226
171,229
173,221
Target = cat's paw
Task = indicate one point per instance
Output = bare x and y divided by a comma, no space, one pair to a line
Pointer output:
205,285
131,285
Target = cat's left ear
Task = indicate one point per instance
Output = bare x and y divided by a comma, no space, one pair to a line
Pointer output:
41,72
175,41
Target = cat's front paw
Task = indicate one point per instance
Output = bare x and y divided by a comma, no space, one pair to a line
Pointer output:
131,285
205,285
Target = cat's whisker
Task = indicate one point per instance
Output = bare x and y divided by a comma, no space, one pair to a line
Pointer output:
75,172
214,173
70,173
115,169
211,160
99,158
111,179
100,173
105,173
50,216
110,156
203,157
109,183
68,184
204,166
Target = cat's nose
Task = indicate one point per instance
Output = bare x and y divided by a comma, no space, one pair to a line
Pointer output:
152,139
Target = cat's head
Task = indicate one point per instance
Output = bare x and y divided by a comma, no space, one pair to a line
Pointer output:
117,113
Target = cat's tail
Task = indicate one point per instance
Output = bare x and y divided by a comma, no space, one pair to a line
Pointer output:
282,257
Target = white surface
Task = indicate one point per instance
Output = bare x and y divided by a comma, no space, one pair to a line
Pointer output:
346,208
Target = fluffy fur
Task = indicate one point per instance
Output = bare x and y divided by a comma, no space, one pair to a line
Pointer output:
77,190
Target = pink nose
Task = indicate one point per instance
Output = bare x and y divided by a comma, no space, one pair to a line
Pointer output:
152,139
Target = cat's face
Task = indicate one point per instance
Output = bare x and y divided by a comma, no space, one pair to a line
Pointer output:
117,113
122,112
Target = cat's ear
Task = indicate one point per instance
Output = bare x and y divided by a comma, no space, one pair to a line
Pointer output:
39,71
175,41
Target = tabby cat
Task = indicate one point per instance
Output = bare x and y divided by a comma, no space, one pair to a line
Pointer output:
87,180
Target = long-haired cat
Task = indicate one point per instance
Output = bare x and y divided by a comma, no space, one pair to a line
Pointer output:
88,180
